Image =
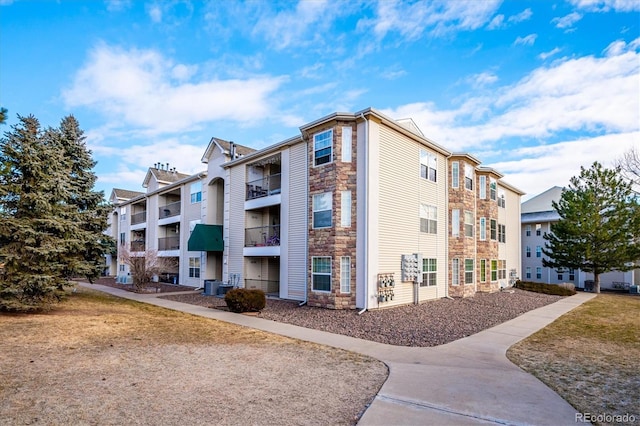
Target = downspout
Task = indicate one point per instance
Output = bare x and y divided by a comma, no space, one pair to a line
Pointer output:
366,220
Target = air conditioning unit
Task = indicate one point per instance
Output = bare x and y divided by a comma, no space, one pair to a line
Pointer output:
211,287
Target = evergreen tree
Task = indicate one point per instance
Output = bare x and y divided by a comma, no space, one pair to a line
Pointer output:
51,220
3,115
599,226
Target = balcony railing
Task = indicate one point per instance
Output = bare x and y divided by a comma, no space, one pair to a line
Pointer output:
169,243
138,246
139,218
269,185
169,210
262,236
264,285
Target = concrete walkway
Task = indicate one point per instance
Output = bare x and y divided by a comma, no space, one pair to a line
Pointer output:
466,382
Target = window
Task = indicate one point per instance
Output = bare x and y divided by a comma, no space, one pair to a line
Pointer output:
528,272
345,273
560,276
428,272
428,219
527,230
483,270
428,165
455,174
347,133
345,208
121,268
528,251
122,238
196,192
539,272
483,228
483,187
123,213
538,251
502,230
468,176
194,267
502,269
572,275
538,229
323,148
494,270
455,222
468,224
322,210
321,273
493,229
493,186
455,271
468,271
501,199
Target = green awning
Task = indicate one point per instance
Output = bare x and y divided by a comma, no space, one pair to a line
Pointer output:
206,238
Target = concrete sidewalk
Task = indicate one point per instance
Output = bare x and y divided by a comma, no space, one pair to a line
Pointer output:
469,381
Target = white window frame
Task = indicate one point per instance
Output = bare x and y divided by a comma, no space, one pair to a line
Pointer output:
502,201
428,165
468,176
345,274
455,271
455,222
527,251
493,188
429,272
195,190
347,134
483,187
345,209
468,223
323,272
428,219
493,229
468,279
538,251
321,142
319,201
538,272
527,230
528,272
483,228
502,233
455,174
123,213
538,229
194,267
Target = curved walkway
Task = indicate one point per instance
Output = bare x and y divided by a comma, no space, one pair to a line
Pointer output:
466,382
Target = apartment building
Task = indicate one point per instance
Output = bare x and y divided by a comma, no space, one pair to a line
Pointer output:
537,217
358,211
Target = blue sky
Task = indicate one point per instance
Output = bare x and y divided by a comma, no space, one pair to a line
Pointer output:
535,89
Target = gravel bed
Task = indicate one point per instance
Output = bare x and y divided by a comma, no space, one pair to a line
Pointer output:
431,323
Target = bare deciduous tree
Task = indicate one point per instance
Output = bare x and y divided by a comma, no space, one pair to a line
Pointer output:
629,165
145,265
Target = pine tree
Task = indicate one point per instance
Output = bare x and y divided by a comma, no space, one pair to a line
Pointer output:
599,226
51,219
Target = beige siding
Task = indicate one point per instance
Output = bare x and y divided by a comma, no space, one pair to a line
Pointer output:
234,218
401,191
296,205
510,216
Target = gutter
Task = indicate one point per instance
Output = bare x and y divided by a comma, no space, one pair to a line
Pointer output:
366,220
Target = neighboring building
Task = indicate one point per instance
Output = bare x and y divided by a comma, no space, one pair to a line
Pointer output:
359,211
538,215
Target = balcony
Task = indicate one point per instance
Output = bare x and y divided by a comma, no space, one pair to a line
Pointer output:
262,236
264,187
169,243
170,210
138,218
138,245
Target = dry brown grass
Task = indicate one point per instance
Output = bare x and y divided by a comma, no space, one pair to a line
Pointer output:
98,359
590,356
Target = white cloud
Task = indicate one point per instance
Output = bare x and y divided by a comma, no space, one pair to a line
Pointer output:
527,40
155,13
117,5
525,15
496,22
552,52
138,88
606,5
482,79
567,21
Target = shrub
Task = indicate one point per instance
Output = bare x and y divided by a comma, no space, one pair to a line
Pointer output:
555,289
245,300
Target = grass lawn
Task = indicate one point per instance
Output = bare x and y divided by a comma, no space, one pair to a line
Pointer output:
98,359
590,356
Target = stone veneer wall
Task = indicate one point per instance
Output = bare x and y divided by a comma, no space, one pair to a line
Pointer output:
488,249
461,247
336,241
